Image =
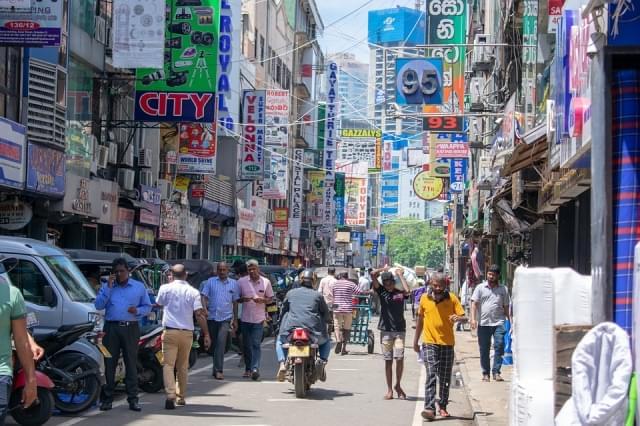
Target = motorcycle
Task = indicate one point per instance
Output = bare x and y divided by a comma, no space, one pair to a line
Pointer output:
39,413
76,376
149,362
302,361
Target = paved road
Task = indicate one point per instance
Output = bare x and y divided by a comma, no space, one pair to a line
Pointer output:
352,395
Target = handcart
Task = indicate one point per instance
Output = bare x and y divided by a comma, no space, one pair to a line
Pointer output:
360,333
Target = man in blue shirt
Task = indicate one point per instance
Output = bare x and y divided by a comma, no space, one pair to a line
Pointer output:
220,297
125,301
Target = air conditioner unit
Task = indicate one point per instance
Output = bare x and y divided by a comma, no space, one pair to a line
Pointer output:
306,185
483,55
144,157
127,158
126,179
103,156
165,188
113,153
100,30
146,177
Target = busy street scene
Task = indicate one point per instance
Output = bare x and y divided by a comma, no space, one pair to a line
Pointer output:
318,212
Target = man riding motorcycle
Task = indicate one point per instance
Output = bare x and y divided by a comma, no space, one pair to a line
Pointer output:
304,307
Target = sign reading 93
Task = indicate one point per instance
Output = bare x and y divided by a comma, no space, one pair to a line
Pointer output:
419,81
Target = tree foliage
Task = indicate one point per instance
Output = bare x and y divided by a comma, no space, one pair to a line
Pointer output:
413,242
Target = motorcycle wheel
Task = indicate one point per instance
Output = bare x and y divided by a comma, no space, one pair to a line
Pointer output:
193,357
77,396
299,380
150,378
35,416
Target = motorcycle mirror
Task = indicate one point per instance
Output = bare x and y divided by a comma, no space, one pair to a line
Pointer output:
48,295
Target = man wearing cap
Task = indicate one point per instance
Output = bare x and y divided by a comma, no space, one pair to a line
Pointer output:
490,302
180,302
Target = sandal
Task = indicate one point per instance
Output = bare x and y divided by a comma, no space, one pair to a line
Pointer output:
444,413
401,394
388,396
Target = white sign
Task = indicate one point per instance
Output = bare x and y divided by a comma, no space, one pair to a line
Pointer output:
276,180
295,212
138,34
13,150
15,4
277,118
330,141
14,215
253,119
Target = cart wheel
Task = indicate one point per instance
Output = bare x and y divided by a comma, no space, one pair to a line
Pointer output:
370,341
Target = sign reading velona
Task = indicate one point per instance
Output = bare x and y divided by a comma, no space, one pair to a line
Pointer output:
361,133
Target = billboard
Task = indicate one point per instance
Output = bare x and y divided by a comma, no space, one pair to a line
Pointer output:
356,201
37,26
315,197
253,119
184,89
197,152
295,213
277,118
330,139
419,81
397,25
13,146
45,170
276,176
358,145
138,33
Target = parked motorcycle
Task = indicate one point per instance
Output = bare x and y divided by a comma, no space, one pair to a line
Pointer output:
150,359
76,376
303,367
39,413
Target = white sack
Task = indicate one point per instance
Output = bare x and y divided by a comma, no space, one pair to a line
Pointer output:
572,297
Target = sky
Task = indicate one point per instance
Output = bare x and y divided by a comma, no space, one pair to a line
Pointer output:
350,34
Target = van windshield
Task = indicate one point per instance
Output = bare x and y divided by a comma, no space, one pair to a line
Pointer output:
71,278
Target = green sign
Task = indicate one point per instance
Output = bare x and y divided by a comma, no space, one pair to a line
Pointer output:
322,115
184,90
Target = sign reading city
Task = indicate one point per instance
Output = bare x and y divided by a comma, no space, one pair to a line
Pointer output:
419,81
253,117
427,187
184,89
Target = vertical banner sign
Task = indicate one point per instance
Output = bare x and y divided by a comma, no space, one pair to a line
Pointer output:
184,89
356,201
446,21
458,175
339,198
228,73
276,176
529,60
138,33
295,214
330,139
555,15
386,156
197,153
277,118
253,117
315,198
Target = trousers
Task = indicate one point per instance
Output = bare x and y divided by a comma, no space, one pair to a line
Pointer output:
438,360
121,339
176,346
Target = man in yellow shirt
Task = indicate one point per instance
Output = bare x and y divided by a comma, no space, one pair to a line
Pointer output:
439,310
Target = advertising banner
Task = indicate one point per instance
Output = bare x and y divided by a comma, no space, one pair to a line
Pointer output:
253,134
295,214
458,175
150,211
386,155
37,26
277,118
45,170
338,197
427,187
276,179
170,221
184,89
361,145
138,33
555,15
356,200
246,217
123,229
13,146
315,197
229,51
419,81
452,150
281,219
446,23
396,25
144,236
260,208
330,142
198,146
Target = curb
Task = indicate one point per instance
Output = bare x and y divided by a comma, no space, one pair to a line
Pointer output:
479,418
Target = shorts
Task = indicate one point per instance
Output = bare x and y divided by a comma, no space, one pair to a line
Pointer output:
392,345
342,320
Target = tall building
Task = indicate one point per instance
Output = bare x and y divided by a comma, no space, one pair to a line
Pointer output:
353,90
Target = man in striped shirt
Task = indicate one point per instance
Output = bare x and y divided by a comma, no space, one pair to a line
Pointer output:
342,294
220,295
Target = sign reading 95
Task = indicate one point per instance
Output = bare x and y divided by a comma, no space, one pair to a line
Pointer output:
419,81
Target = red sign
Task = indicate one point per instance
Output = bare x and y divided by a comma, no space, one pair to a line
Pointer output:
281,218
452,150
443,124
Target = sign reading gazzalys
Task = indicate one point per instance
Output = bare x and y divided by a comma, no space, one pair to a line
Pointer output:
184,90
253,134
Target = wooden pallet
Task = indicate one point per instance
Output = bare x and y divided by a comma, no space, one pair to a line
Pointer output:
567,338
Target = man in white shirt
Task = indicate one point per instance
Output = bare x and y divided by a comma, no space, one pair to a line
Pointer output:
326,286
180,302
364,282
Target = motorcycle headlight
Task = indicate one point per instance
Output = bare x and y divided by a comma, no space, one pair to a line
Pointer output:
97,319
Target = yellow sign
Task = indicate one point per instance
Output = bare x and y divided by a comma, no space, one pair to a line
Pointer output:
361,133
427,187
181,183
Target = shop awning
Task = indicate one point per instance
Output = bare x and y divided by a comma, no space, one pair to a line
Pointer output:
511,221
533,150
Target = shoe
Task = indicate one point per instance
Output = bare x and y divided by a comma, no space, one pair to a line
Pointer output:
428,414
338,348
134,406
322,370
498,378
246,374
282,372
180,402
106,406
219,376
255,375
485,378
170,404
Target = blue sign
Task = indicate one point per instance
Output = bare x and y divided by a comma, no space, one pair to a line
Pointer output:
398,25
383,239
45,170
419,81
560,81
225,49
623,27
458,174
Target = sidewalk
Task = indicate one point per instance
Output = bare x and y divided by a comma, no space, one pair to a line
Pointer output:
489,400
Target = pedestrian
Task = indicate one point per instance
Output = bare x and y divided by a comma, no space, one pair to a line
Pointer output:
392,325
342,293
490,302
364,282
125,301
439,310
180,302
326,286
13,324
417,294
240,271
255,294
220,295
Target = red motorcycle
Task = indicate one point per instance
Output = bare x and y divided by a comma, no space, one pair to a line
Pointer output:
41,410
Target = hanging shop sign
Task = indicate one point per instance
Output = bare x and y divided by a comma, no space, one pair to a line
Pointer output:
138,33
330,142
443,124
14,214
452,150
281,219
181,184
13,146
82,196
427,187
295,213
45,170
150,211
253,134
555,15
169,229
458,175
561,74
246,218
260,207
109,196
184,89
419,81
198,146
339,198
315,197
386,156
79,146
277,118
144,236
357,145
356,201
39,25
276,179
228,67
123,229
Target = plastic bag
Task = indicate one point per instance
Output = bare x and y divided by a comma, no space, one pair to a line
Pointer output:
409,275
